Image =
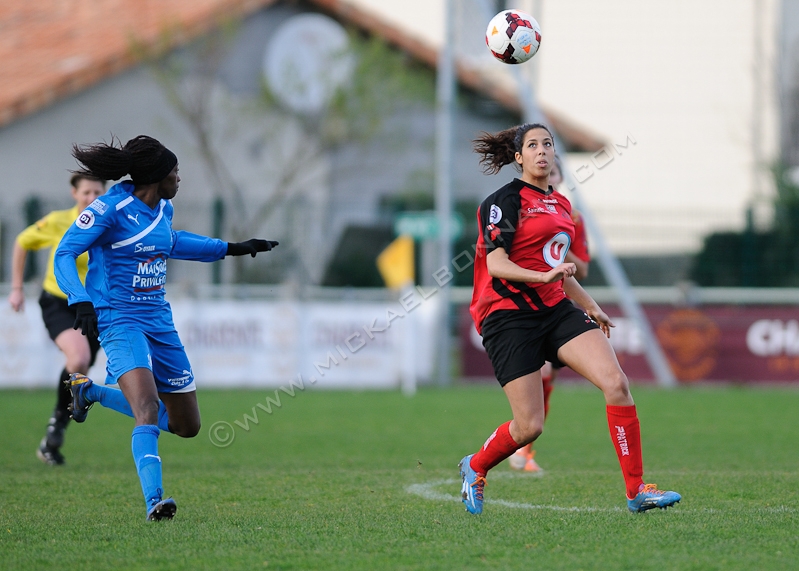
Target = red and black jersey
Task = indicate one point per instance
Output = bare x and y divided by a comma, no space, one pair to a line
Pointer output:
535,228
579,245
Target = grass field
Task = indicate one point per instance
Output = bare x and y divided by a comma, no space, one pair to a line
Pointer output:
368,480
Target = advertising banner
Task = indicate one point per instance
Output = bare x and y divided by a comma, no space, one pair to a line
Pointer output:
261,344
331,345
735,343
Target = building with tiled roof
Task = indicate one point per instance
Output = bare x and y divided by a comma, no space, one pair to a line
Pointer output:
49,52
73,73
52,50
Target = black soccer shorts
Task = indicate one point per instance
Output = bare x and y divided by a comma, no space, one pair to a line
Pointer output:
518,342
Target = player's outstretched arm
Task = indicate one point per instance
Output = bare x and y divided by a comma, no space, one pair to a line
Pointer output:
251,247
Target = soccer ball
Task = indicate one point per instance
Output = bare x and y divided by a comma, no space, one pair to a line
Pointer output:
513,36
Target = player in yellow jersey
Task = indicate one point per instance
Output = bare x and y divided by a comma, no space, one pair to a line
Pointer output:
79,350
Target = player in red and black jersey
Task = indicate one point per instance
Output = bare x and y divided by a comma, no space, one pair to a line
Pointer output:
524,458
520,306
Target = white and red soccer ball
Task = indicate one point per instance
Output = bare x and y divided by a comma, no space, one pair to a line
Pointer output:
513,36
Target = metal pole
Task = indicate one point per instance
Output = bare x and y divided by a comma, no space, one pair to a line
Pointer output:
445,91
614,273
218,214
610,265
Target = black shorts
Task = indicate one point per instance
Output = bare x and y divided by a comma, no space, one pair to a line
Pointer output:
58,316
519,342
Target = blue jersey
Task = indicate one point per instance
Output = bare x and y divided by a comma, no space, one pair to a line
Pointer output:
128,244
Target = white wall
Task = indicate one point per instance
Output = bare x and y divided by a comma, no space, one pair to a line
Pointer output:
682,79
263,343
692,81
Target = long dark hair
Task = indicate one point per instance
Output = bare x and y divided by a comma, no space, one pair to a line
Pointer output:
144,158
500,149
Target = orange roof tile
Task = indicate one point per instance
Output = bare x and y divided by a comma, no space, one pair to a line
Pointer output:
51,49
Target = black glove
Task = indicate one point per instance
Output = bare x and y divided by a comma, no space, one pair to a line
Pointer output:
251,247
86,319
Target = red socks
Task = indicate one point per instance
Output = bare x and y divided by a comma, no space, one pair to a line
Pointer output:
499,446
625,432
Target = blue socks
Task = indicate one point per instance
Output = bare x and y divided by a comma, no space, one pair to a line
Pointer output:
115,400
144,445
163,418
109,398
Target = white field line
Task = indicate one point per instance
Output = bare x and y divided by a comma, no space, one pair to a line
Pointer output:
428,492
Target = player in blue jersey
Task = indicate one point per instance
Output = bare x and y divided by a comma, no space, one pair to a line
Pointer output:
128,234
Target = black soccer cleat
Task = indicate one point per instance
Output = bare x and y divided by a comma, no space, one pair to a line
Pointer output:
165,509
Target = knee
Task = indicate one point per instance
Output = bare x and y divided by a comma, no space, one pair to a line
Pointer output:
146,410
189,430
78,363
617,388
529,431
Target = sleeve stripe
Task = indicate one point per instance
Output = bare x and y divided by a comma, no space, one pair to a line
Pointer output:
123,203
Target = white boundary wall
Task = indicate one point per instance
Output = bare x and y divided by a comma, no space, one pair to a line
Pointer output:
261,343
270,337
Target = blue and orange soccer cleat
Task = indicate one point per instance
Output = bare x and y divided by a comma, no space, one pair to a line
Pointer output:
165,509
78,384
472,488
649,497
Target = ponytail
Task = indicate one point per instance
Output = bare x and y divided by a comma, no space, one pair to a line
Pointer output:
500,149
108,162
144,158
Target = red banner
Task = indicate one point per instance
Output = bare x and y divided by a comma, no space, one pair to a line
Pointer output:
709,343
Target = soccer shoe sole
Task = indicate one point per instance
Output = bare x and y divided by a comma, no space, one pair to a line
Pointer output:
650,505
647,507
165,509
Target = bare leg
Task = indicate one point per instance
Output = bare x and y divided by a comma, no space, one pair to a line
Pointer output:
526,398
592,356
138,386
76,349
183,412
524,457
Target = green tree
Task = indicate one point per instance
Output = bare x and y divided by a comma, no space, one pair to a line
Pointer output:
756,258
384,80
